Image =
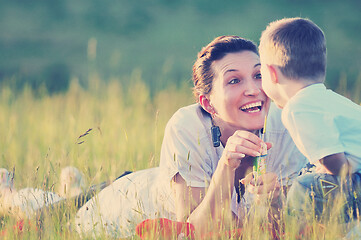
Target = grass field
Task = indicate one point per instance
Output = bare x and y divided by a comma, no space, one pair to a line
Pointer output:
39,134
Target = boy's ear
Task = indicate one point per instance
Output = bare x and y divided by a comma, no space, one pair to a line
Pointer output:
205,103
273,73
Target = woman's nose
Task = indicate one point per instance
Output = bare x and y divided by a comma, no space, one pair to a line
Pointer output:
252,88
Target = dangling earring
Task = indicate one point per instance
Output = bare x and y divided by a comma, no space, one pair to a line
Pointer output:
216,134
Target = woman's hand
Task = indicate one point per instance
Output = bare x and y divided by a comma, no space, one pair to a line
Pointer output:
266,186
240,144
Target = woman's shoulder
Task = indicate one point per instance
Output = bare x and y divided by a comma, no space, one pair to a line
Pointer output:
188,112
192,118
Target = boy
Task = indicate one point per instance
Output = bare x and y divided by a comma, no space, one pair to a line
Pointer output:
325,126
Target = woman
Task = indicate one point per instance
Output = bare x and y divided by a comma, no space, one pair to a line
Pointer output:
199,174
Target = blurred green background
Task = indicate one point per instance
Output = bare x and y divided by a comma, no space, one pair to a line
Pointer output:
47,43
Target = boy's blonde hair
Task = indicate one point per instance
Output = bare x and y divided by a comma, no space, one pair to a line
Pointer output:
297,46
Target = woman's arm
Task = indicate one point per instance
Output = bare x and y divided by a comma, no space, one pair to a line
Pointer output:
202,206
186,198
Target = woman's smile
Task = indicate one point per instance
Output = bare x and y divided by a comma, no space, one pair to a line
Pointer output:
252,107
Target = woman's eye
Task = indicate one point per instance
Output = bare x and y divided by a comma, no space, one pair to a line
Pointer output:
234,81
258,76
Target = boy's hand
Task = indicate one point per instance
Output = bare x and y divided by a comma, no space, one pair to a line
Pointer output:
265,187
269,145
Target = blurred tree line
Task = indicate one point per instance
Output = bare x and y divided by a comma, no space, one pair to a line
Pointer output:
46,43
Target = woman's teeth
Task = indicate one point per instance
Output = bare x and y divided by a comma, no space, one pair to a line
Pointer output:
252,107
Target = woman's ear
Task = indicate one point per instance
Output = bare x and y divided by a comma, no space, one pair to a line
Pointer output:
205,103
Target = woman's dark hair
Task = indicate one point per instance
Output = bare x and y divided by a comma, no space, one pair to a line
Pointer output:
215,50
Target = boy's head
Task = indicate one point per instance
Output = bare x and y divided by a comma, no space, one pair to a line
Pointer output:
296,49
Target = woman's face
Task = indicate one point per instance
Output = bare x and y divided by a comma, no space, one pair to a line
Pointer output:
237,96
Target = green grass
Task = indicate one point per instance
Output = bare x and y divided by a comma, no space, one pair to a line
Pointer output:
39,134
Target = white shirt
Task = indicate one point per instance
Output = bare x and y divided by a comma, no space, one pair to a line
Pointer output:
322,122
188,150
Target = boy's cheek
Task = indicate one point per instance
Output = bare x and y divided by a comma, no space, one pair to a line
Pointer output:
267,89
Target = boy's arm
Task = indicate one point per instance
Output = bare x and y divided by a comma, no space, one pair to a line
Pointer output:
336,163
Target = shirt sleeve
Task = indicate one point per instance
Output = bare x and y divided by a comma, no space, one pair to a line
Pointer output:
183,152
314,133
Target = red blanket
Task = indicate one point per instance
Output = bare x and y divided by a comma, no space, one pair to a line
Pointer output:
162,228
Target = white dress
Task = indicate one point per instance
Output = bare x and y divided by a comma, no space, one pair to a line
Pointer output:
118,208
187,149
